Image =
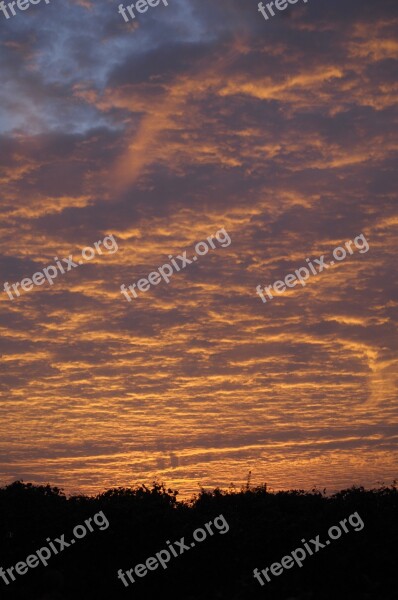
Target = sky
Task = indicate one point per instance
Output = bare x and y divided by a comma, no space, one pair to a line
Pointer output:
194,117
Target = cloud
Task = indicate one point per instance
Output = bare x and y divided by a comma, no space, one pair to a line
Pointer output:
197,117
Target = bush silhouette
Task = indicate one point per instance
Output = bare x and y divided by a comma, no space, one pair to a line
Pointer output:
263,527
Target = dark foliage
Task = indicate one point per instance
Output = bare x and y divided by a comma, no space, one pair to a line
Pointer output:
264,527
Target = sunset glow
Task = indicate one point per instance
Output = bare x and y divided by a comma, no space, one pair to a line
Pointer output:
161,131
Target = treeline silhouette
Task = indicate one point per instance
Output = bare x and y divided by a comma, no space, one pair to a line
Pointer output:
264,527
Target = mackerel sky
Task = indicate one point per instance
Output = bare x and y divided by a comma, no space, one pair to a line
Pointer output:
197,116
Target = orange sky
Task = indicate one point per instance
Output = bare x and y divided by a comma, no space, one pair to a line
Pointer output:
199,116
